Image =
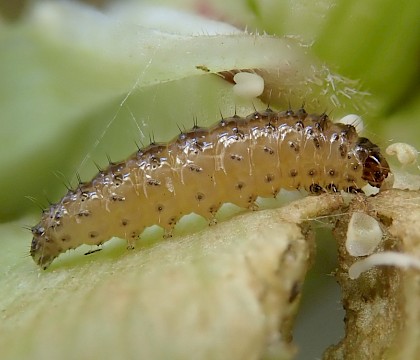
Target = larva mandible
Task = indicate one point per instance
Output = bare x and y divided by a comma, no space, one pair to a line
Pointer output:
236,161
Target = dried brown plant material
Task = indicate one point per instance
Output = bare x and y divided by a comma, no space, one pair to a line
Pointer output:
382,304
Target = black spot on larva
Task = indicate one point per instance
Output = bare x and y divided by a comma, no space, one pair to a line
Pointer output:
93,234
38,230
299,126
159,207
195,168
153,182
154,162
236,157
124,222
118,179
268,150
316,189
195,149
199,196
317,143
355,167
334,137
332,188
269,178
57,215
117,198
312,172
294,146
84,195
332,172
172,221
134,234
83,213
65,238
240,185
239,133
269,128
256,115
55,225
309,132
293,173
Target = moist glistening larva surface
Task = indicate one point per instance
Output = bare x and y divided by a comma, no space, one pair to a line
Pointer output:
236,161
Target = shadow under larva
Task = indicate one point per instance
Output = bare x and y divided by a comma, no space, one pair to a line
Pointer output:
236,160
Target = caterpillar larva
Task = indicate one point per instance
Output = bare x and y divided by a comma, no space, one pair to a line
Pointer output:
236,161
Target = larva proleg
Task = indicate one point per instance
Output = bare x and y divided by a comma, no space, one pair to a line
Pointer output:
236,161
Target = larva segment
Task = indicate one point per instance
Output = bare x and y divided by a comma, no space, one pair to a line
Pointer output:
236,160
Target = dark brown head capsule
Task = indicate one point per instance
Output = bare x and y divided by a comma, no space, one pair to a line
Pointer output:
375,167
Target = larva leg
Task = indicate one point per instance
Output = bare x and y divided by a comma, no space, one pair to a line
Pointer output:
252,203
354,190
208,210
316,189
213,211
332,188
212,221
132,239
168,225
275,192
168,233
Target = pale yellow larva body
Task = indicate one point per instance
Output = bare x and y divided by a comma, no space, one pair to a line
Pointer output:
236,161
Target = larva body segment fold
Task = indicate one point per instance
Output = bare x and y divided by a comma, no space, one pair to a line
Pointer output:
236,161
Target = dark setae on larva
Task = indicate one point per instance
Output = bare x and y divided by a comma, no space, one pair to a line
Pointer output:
236,161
